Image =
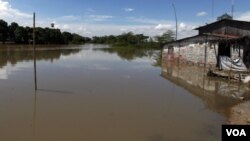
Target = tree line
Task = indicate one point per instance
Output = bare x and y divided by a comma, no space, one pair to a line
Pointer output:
15,33
138,40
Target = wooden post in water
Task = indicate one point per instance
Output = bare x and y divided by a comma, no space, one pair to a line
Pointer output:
204,71
34,118
232,9
205,58
230,70
205,55
34,48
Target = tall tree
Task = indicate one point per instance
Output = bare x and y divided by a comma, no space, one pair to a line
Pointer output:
67,37
21,35
167,36
3,31
12,27
77,39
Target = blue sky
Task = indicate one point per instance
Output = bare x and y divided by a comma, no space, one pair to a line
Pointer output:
105,17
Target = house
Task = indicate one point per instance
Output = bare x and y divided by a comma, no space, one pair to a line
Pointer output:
226,27
225,37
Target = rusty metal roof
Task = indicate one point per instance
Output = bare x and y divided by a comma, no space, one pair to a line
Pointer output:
225,36
203,38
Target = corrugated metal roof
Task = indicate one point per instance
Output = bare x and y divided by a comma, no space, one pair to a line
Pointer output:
225,36
224,20
202,39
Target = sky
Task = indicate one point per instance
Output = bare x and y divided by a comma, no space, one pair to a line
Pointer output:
113,17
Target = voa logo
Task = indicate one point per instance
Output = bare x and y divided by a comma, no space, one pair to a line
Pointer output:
236,132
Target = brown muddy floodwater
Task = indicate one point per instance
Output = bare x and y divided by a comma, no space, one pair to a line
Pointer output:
87,93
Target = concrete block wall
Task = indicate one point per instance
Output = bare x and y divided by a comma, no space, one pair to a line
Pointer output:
195,53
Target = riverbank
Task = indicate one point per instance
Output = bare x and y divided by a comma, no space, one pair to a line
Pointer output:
240,114
99,92
220,95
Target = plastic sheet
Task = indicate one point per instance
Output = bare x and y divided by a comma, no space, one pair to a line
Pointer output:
227,63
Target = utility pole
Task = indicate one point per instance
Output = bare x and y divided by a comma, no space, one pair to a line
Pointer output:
176,22
34,48
176,36
232,9
34,30
212,9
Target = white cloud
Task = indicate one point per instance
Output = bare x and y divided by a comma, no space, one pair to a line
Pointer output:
67,18
201,14
123,29
3,73
144,20
186,33
100,17
164,27
65,27
109,29
183,26
89,24
128,9
243,16
10,14
7,70
184,30
63,19
90,30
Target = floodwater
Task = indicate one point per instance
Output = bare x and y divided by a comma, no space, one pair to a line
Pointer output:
95,93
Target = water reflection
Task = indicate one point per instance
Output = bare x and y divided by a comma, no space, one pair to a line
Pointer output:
14,56
20,58
131,53
34,117
94,95
219,95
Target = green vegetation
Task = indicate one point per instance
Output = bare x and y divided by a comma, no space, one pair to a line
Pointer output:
135,40
13,56
23,35
132,53
14,33
3,31
129,53
165,37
